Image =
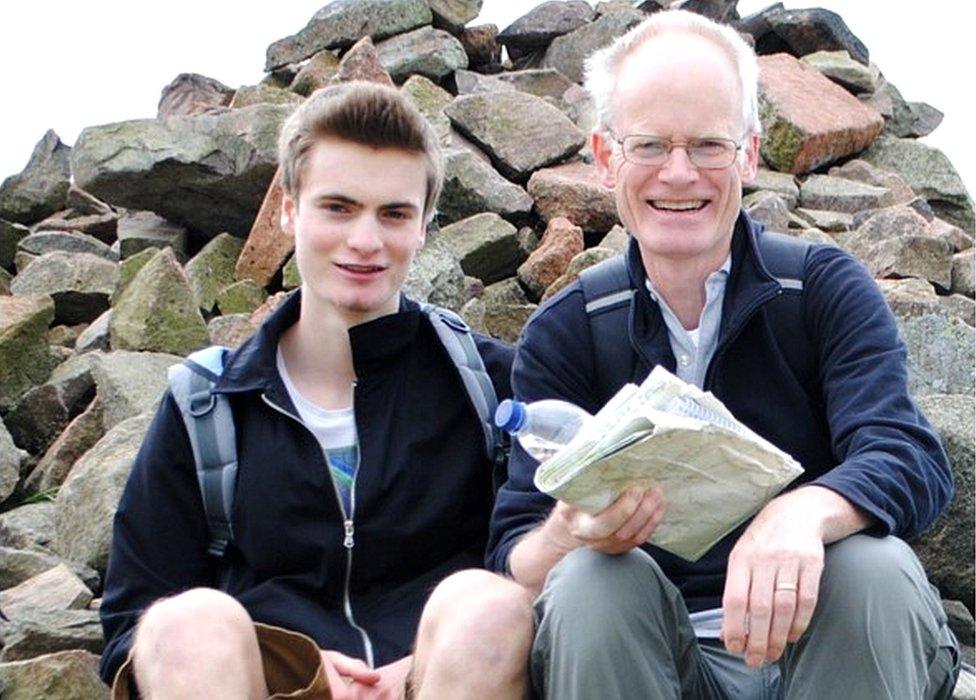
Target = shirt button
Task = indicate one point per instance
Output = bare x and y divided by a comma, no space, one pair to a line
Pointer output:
684,360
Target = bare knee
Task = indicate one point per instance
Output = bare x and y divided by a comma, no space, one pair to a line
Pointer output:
191,627
476,617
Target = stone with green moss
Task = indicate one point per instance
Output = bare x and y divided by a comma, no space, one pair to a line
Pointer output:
212,269
128,269
157,311
248,95
241,297
290,277
25,361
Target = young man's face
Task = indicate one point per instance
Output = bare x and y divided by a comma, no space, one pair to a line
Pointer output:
357,222
678,87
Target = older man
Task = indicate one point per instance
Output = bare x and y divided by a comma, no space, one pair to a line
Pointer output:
818,580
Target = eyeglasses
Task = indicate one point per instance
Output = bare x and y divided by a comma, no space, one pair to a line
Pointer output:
708,153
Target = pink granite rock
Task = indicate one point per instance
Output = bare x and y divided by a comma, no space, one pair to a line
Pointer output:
573,191
561,242
267,246
808,120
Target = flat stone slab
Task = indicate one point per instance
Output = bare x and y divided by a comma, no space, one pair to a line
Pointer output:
427,51
342,23
486,246
543,23
79,283
520,132
807,120
839,194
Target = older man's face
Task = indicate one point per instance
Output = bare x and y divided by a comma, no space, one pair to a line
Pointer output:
678,87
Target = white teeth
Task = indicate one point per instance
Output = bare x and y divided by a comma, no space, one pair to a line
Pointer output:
687,205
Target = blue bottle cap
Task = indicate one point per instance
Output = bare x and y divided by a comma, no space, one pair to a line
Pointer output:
510,415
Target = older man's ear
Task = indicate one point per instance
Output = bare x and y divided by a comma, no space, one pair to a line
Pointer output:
602,144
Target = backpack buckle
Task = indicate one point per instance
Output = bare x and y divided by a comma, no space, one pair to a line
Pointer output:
202,402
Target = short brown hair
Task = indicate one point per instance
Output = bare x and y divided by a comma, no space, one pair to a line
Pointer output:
360,112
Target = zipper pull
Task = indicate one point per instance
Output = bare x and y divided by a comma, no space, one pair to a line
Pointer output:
348,542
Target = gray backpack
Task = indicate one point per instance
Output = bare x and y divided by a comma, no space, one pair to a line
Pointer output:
210,424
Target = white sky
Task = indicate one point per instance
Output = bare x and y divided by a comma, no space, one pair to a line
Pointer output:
71,64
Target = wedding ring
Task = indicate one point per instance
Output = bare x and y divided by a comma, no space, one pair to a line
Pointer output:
786,587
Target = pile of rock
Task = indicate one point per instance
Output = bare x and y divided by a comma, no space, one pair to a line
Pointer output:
155,237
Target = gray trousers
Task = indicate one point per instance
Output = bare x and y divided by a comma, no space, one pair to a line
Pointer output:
615,627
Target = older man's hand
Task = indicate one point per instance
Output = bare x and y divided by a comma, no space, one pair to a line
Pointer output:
773,577
624,524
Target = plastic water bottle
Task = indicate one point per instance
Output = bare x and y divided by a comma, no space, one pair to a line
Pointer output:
542,427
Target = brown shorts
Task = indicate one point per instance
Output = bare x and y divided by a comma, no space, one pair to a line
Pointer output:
292,667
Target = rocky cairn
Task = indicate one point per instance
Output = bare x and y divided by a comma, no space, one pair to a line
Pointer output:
152,238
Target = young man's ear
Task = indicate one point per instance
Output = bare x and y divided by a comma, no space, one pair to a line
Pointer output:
288,214
602,144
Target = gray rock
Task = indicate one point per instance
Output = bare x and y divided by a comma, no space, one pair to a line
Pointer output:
66,675
95,337
853,76
58,588
520,132
250,95
452,15
946,549
315,74
436,275
963,273
826,220
541,82
940,355
208,172
103,227
907,119
129,268
341,23
78,437
213,268
568,52
430,99
430,52
722,11
87,501
929,173
801,32
5,279
10,235
79,283
542,24
46,631
471,186
192,93
471,83
29,526
860,170
960,621
959,306
40,188
838,194
617,239
157,311
18,565
130,383
769,209
25,360
142,230
911,297
362,62
588,258
485,245
506,309
66,242
11,458
896,242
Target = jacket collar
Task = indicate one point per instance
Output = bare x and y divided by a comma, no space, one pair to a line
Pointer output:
749,285
374,344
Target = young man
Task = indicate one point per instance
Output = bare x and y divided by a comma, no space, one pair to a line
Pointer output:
363,481
821,374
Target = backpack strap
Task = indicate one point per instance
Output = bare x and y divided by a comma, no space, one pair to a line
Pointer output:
455,336
608,297
210,427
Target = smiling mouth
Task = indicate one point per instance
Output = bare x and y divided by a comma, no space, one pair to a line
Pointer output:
360,269
676,205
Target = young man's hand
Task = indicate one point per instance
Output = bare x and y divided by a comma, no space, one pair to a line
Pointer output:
352,679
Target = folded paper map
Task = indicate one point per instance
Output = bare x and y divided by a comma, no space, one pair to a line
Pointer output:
714,471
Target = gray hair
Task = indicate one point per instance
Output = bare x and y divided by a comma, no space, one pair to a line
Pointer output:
602,67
